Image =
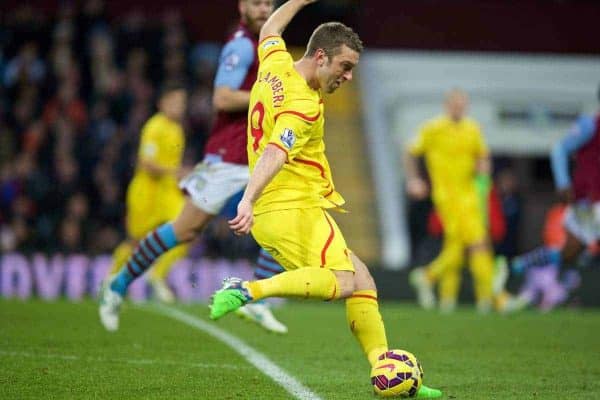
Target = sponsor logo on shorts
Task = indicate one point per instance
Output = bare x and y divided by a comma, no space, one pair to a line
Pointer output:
288,138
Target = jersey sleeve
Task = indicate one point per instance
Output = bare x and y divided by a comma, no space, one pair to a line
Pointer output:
577,137
292,128
417,146
153,147
272,49
236,58
149,149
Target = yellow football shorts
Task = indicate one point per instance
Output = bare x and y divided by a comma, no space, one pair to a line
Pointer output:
463,220
303,237
148,207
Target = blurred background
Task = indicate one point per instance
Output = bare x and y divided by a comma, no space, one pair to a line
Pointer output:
79,78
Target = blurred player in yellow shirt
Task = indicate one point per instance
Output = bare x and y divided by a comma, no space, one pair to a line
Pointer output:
290,188
458,164
153,195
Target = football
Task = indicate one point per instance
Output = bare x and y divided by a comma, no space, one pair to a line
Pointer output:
397,373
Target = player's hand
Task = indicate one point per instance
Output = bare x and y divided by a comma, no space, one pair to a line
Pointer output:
417,188
244,220
566,195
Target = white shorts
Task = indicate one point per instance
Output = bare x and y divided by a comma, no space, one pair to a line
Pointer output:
582,220
213,182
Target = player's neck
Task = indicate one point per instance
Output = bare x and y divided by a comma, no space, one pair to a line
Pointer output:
305,68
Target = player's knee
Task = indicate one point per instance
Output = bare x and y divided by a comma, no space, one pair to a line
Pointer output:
362,277
345,281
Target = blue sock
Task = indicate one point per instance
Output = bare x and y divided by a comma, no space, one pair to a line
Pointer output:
155,244
266,266
536,258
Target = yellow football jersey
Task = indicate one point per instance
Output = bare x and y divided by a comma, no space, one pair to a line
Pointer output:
286,112
162,142
451,150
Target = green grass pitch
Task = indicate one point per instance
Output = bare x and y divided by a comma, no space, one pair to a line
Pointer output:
59,350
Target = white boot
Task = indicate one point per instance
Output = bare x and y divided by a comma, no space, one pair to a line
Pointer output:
423,287
110,303
262,315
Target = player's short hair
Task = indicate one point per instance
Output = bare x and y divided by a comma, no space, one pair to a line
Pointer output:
330,37
170,86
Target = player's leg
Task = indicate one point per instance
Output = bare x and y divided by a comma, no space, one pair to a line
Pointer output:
260,311
169,210
577,227
449,259
365,320
266,267
481,262
302,247
158,242
120,255
362,312
158,274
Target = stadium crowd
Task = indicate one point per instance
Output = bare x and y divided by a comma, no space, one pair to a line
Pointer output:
75,90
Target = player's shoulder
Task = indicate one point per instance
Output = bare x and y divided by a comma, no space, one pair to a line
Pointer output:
159,123
303,103
239,46
272,51
155,121
587,122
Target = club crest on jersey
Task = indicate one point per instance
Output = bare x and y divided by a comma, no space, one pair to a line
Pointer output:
288,138
270,43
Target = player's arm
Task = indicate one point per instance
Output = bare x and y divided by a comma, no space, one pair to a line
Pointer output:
267,166
415,184
579,135
280,19
236,58
289,136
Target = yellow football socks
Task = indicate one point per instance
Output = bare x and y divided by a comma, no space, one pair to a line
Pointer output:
482,268
362,314
309,283
451,257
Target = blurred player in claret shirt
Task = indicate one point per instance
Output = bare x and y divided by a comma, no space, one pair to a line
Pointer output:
580,190
291,189
222,173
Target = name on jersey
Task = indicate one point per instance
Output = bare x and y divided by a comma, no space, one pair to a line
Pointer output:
276,87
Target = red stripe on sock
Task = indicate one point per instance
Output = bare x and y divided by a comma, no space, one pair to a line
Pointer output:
267,268
131,270
366,296
160,242
137,260
147,243
266,257
143,253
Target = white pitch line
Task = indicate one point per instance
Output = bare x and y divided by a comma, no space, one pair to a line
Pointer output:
24,354
254,357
